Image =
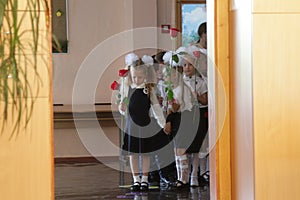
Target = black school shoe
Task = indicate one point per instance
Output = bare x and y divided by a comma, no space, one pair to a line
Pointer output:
167,176
179,185
144,186
135,187
204,179
153,178
165,182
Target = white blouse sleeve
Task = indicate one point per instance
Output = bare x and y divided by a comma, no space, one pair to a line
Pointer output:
124,88
157,110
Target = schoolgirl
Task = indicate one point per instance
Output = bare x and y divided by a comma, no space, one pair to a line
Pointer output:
198,86
201,45
180,122
137,98
162,164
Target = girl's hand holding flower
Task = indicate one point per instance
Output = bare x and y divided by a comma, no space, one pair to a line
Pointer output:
196,96
175,107
167,128
122,106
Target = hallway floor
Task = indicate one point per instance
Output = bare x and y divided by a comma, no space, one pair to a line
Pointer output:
92,181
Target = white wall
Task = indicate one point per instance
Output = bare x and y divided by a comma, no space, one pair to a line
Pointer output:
68,143
92,23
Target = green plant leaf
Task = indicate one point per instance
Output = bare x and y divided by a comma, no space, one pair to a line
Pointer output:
118,96
3,4
18,59
175,58
170,95
126,101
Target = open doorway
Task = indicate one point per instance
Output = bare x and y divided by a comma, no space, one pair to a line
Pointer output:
92,34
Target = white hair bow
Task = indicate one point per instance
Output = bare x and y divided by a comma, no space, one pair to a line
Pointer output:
131,58
147,60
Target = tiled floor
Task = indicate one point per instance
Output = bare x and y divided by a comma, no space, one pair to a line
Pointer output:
97,181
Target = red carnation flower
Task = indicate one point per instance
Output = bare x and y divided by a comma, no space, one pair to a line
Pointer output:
123,72
196,54
115,85
174,32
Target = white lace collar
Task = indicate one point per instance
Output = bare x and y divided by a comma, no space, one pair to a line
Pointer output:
185,77
133,85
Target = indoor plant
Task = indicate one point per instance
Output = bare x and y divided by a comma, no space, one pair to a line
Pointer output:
19,58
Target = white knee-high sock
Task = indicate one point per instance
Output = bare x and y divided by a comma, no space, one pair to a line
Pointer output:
144,179
195,164
178,169
202,166
184,168
136,179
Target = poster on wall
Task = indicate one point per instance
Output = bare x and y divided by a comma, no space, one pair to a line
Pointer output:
59,26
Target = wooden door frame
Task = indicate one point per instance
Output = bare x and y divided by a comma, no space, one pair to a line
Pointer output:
218,51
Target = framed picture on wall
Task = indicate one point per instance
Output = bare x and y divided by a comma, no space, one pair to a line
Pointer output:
191,15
